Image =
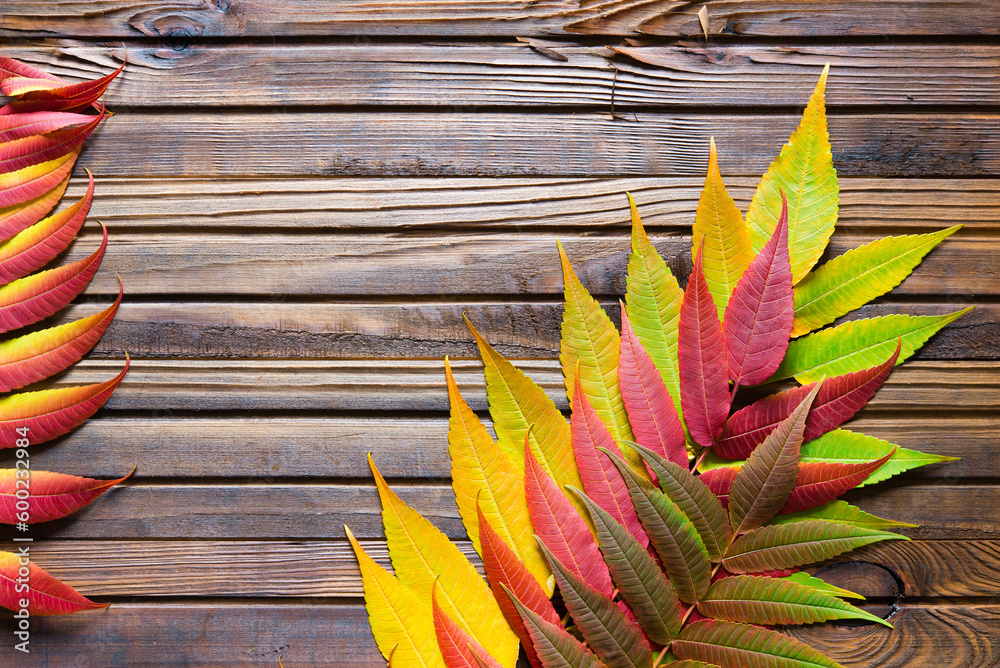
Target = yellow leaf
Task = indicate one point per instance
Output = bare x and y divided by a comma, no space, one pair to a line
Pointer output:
479,470
421,554
718,225
804,171
401,623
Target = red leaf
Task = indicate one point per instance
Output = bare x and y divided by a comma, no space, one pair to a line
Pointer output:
701,357
601,480
33,182
838,401
46,595
50,495
649,406
720,481
819,482
10,69
560,526
759,316
19,126
14,219
504,569
36,297
33,250
73,97
21,153
456,645
51,413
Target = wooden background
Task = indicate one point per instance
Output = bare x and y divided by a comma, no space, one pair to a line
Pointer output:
304,197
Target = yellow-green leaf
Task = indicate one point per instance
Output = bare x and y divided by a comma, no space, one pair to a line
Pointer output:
804,172
719,227
480,471
859,276
401,623
421,554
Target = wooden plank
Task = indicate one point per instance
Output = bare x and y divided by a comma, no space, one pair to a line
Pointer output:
390,265
514,74
520,203
184,19
268,569
171,445
507,144
318,511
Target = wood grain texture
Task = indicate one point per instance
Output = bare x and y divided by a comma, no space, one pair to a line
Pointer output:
517,203
412,143
513,74
269,18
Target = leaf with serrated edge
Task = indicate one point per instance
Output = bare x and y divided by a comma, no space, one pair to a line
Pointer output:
589,347
842,513
19,217
641,583
733,645
52,495
858,344
51,413
804,173
34,247
520,408
848,447
720,230
701,358
561,527
11,69
32,182
817,584
794,544
19,126
456,645
554,647
766,481
46,595
648,403
505,571
693,498
401,622
761,600
653,303
858,276
821,482
481,472
601,479
674,538
34,150
759,316
71,97
421,555
616,640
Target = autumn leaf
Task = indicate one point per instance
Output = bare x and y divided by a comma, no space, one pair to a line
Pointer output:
33,182
46,595
820,482
19,126
841,512
18,217
732,644
50,495
554,647
69,97
33,150
458,648
848,447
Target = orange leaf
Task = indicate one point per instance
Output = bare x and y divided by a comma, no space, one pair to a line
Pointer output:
19,126
14,219
72,97
45,594
33,182
21,153
458,647
49,495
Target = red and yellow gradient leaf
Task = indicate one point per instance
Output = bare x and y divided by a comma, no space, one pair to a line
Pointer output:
36,356
32,182
804,173
701,352
19,217
648,403
19,126
11,69
588,350
720,233
820,482
400,621
421,555
36,149
484,476
505,571
51,413
72,97
50,495
46,594
558,524
36,297
759,317
457,647
36,246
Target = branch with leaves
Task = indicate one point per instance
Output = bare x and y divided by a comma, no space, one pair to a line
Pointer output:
673,525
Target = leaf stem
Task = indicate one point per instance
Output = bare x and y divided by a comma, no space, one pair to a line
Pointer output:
659,657
701,458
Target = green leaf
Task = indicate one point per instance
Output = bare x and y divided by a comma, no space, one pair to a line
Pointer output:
848,447
843,513
858,344
643,586
554,646
793,544
817,584
609,633
653,305
694,499
859,276
732,645
762,600
804,173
